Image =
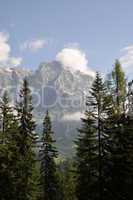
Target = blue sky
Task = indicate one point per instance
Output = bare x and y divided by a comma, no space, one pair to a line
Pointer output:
37,30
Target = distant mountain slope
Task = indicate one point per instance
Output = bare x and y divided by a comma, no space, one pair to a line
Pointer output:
55,88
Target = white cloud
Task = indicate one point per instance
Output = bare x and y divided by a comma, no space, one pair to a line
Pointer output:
4,47
76,116
127,59
72,45
74,59
33,45
15,61
5,51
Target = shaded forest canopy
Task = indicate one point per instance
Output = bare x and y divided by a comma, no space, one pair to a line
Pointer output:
31,168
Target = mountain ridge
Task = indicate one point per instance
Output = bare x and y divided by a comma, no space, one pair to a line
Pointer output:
56,88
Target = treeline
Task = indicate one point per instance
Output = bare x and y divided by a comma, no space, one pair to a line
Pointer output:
102,168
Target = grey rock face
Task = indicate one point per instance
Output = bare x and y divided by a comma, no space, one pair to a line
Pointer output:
55,88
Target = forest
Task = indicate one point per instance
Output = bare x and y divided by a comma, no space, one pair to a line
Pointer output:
102,166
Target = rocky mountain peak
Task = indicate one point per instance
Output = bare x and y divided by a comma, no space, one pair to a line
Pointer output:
55,87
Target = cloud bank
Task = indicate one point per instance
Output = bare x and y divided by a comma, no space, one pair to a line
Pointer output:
76,116
74,59
127,59
16,61
5,52
4,47
33,45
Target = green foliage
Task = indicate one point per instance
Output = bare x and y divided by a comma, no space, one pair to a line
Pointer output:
119,160
8,153
86,160
48,153
103,166
25,142
119,79
90,144
119,144
66,171
117,87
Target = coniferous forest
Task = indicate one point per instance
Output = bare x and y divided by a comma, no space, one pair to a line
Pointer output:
102,166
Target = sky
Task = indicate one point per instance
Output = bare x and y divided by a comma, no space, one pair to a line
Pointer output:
85,34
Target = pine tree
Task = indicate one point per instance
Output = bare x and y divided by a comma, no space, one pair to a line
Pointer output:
128,147
90,144
86,159
25,142
7,150
119,143
48,154
66,170
120,160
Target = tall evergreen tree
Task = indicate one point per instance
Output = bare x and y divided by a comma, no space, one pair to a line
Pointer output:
66,170
7,150
90,144
120,160
26,141
128,156
86,160
119,143
48,154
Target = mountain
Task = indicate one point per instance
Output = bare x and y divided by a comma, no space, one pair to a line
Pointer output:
56,88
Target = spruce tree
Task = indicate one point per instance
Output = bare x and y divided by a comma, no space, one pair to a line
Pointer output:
48,154
26,141
120,159
66,170
119,143
8,153
128,152
69,180
86,160
91,143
